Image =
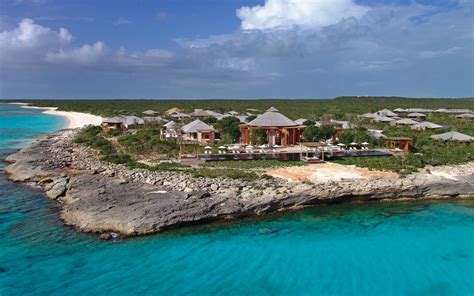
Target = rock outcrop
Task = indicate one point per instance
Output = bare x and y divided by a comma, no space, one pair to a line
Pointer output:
105,198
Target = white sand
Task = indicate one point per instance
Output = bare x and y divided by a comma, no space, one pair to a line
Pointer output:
76,119
326,172
73,119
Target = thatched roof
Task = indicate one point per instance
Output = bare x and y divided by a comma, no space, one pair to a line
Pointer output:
453,136
386,112
416,114
125,120
150,112
204,113
173,110
411,110
196,126
301,120
116,119
406,121
426,125
272,117
382,118
169,124
368,115
465,116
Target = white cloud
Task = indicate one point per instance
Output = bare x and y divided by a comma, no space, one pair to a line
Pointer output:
84,55
29,35
122,21
438,53
31,43
236,64
307,13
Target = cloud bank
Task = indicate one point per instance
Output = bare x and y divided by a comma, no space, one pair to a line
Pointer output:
289,48
308,13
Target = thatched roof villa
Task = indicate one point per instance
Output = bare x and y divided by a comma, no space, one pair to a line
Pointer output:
453,136
199,131
279,129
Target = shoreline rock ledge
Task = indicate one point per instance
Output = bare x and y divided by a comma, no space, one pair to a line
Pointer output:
103,198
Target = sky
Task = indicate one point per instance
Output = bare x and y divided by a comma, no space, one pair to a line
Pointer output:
164,49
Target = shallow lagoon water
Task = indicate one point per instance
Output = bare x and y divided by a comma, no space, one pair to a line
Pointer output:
424,248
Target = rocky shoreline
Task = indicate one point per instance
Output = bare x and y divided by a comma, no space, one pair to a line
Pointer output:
105,198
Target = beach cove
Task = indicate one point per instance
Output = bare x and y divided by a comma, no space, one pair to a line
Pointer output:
372,245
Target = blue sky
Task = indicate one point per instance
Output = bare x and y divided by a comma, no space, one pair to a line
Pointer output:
236,49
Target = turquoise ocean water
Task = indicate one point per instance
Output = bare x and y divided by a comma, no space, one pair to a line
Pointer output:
376,249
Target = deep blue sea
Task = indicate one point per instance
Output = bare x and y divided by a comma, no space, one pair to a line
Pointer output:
377,249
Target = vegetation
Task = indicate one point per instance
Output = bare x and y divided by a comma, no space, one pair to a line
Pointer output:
89,136
119,148
253,164
146,142
258,136
402,165
359,135
229,173
339,107
313,133
228,128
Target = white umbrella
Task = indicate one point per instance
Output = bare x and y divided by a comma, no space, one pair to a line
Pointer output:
208,147
365,143
341,144
221,147
276,146
249,147
354,144
262,146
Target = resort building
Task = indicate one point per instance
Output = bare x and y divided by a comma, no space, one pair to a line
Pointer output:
417,116
122,122
169,131
198,131
339,126
204,113
173,111
405,121
453,136
466,116
419,110
179,115
387,113
150,113
279,129
398,143
301,120
453,111
426,125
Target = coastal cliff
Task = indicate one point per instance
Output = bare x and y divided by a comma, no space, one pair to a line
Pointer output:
100,197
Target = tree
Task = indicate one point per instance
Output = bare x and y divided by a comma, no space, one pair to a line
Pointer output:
326,132
209,120
313,133
357,135
229,129
251,117
258,136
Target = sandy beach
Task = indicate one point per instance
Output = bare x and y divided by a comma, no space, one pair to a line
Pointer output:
73,119
76,119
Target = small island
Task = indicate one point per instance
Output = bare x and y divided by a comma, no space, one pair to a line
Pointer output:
165,164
